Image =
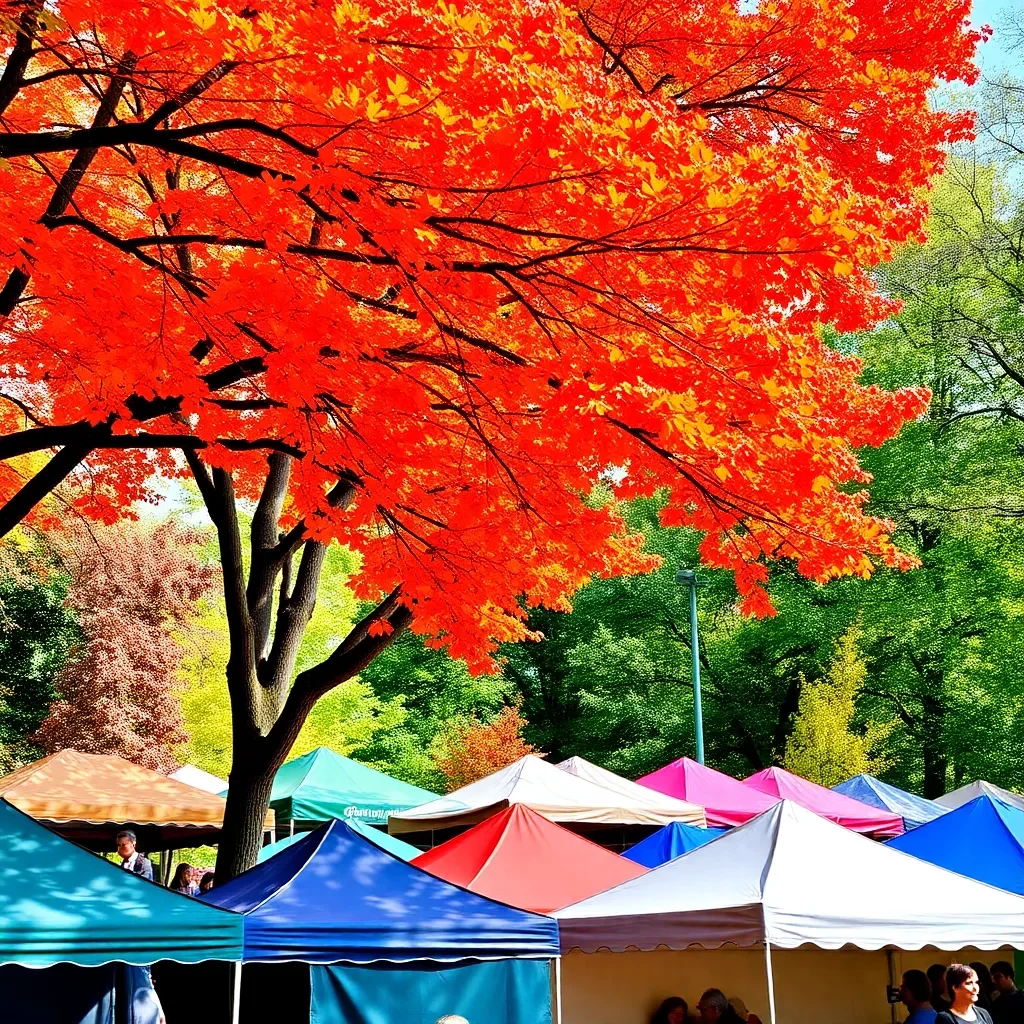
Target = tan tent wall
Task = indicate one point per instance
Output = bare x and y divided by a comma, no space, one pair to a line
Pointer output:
812,986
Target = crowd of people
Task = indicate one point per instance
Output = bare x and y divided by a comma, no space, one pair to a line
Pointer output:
713,1005
187,879
963,994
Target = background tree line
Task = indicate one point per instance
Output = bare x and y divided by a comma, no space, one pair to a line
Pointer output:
117,642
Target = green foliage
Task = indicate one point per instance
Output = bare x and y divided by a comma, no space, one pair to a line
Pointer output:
823,746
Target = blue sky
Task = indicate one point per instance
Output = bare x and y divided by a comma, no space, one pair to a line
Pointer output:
994,57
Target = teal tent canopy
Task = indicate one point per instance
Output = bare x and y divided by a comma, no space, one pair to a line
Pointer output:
375,835
322,785
61,904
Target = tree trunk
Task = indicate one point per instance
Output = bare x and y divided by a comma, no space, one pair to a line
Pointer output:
251,779
936,760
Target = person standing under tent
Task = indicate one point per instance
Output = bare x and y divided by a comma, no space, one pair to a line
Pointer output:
985,984
131,859
937,979
713,1006
672,1011
915,994
962,985
182,881
1008,1006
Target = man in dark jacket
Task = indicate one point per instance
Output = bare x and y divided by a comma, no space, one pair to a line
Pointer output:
1008,1007
131,859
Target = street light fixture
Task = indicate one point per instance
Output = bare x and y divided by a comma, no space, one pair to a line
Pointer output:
688,578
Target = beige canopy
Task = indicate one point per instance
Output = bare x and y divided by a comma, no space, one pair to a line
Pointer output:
87,797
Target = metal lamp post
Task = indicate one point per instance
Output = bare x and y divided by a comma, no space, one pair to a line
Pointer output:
688,578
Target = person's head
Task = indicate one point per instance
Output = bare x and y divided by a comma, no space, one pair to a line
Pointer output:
937,979
671,1011
206,882
915,991
984,978
1002,976
451,1018
713,1005
962,985
739,1007
182,876
126,843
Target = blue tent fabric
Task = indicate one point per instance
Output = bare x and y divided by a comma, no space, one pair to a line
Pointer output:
335,896
497,991
390,843
983,839
669,842
61,904
914,810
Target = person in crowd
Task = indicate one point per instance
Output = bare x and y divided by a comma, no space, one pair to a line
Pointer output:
916,996
182,881
131,859
741,1011
1008,1004
713,1006
986,986
206,882
672,1011
962,986
937,979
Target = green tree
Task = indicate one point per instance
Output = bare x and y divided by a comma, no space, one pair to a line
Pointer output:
824,746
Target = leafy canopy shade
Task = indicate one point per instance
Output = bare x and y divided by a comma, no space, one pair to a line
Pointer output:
62,904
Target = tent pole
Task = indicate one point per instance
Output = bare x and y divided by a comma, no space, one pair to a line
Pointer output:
291,827
891,958
556,985
771,980
236,992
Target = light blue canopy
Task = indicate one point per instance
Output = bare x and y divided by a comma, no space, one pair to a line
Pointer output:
669,842
375,835
915,810
61,904
983,839
334,896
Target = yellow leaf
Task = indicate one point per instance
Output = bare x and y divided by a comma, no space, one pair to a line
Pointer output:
848,35
373,108
818,216
821,483
204,19
617,197
398,85
700,154
842,268
564,101
722,473
717,198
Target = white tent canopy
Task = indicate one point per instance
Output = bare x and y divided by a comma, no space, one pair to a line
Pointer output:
965,794
789,877
198,779
637,795
556,794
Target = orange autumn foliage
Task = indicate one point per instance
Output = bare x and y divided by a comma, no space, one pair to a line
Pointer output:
464,258
475,749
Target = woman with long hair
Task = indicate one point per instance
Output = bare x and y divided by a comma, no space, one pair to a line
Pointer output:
963,987
182,881
672,1011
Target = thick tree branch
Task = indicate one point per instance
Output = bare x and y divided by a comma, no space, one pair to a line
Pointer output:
14,72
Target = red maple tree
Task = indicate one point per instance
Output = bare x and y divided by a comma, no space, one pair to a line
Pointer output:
448,264
134,592
474,749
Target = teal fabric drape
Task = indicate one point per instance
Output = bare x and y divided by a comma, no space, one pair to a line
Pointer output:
487,992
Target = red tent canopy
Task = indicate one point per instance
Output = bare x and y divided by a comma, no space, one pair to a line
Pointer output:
519,857
844,810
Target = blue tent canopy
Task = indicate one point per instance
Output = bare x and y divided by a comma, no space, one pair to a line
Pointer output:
983,839
669,842
61,904
914,810
390,843
334,896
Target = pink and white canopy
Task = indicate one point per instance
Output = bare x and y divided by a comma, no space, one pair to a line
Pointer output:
843,810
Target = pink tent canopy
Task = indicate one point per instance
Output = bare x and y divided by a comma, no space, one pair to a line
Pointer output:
844,810
726,801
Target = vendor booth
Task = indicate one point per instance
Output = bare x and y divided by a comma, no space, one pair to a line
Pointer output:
89,797
670,842
519,857
606,816
375,835
983,839
913,809
337,928
72,923
323,785
726,801
843,810
801,918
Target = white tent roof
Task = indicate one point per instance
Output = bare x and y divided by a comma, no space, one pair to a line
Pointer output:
964,794
637,795
198,779
791,877
557,794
